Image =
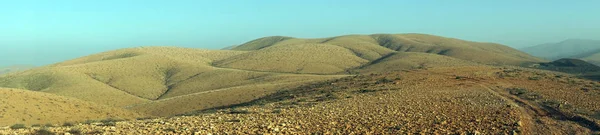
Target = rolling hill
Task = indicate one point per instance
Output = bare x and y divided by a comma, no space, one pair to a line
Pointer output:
151,76
166,81
373,47
572,48
29,107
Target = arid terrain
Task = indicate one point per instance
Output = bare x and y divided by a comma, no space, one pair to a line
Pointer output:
472,100
353,84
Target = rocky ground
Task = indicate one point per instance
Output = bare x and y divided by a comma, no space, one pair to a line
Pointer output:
470,100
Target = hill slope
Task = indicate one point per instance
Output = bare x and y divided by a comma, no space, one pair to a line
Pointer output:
144,76
28,107
373,47
572,48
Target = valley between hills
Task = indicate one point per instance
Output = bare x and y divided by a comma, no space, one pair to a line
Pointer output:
352,84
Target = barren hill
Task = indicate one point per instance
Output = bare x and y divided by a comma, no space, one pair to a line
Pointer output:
373,47
151,76
166,81
28,107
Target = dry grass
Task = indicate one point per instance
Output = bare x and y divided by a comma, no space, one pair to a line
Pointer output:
28,107
143,76
371,46
411,60
298,58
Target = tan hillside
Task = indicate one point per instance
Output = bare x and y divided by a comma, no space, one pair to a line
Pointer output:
300,58
260,43
411,60
147,75
370,47
28,107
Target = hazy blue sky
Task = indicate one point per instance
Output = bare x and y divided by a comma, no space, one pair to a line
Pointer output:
47,31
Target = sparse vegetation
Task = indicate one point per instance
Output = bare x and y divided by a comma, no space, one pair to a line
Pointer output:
172,130
68,124
18,126
534,78
517,91
108,120
144,118
366,91
43,131
75,131
95,132
277,111
234,120
238,111
596,115
89,121
48,125
384,80
109,124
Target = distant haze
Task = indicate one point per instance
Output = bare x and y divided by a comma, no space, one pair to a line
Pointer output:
572,48
40,32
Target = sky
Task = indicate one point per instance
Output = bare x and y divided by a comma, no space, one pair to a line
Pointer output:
40,32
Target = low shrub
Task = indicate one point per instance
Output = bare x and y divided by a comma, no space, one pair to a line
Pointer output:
18,126
517,91
75,131
238,111
43,132
68,124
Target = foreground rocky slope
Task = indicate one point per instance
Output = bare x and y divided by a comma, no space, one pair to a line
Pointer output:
465,100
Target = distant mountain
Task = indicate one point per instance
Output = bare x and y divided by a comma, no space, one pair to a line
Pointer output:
4,70
590,56
572,48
